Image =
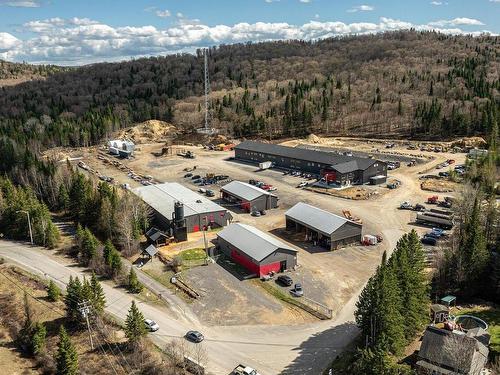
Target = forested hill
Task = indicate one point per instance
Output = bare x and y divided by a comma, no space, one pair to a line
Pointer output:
398,83
9,70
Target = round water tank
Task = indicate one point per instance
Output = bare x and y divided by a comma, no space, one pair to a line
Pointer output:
178,211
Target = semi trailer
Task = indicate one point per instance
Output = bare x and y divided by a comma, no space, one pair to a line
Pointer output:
434,219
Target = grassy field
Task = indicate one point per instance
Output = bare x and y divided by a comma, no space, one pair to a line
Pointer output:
192,257
490,315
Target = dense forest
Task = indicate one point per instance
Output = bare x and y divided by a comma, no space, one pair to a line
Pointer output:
403,83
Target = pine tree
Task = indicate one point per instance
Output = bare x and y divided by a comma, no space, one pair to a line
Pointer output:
88,247
134,324
473,248
98,299
112,259
63,198
53,291
134,285
73,298
66,356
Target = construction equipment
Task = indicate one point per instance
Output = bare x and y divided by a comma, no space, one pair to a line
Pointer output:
347,214
186,154
433,200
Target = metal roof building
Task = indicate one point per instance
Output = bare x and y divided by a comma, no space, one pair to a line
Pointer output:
319,226
248,197
342,169
198,210
259,252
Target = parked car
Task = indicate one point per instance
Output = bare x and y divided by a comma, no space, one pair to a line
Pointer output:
272,188
210,193
151,325
196,177
187,175
263,212
197,181
194,336
202,191
285,280
438,231
419,207
302,184
252,182
297,290
255,213
426,240
405,206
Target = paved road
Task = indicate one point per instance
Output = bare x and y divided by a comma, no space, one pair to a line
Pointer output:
303,349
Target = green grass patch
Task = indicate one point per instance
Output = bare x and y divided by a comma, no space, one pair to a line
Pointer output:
275,292
193,254
163,277
490,315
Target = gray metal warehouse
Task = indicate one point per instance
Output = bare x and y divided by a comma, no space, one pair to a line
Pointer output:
198,211
249,197
259,252
338,169
326,229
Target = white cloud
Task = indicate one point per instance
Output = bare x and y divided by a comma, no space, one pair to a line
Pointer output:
462,21
8,41
436,3
163,13
79,41
361,8
20,3
494,1
305,1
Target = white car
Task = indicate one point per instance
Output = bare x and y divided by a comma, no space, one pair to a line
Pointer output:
151,325
302,184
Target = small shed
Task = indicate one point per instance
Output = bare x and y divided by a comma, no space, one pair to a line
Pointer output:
439,313
157,237
150,251
449,301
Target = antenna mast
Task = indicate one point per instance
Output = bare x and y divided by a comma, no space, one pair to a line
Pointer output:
207,90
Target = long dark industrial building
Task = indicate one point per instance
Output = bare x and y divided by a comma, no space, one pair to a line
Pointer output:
339,169
259,252
322,227
195,210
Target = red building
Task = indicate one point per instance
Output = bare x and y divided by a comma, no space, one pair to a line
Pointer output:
259,252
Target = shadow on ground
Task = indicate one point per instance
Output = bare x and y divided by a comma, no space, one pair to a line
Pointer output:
320,349
292,238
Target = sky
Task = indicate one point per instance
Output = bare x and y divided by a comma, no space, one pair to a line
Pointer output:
74,32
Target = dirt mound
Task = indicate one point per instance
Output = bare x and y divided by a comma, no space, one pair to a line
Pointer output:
469,142
149,131
312,138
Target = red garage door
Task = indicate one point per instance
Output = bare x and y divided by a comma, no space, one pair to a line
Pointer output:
253,267
266,268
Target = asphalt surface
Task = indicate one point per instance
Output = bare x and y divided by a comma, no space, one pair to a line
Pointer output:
304,349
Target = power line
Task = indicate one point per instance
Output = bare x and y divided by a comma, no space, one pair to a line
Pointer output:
52,308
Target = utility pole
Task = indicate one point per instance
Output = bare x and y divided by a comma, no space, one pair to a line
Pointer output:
84,309
29,223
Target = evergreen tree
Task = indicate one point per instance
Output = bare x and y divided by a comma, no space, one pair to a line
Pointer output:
53,291
473,248
112,259
134,285
134,324
98,299
63,198
66,356
73,298
38,338
88,248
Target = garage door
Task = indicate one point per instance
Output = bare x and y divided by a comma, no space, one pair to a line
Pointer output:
266,268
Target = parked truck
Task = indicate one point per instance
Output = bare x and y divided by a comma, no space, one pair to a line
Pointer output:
430,218
244,370
265,165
